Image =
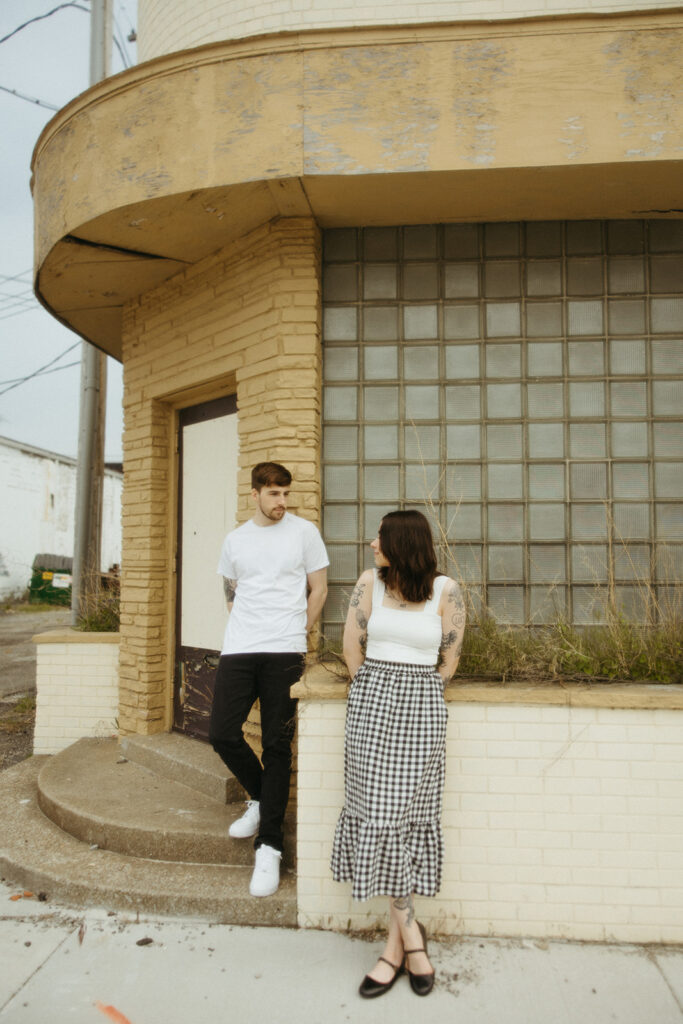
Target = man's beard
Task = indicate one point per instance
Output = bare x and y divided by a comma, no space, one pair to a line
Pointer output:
275,515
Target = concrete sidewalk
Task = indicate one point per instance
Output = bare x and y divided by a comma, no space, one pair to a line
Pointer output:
89,966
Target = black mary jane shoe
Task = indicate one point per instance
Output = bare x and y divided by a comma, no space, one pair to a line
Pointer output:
369,988
421,984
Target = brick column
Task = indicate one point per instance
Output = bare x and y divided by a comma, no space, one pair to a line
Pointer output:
279,387
246,319
146,569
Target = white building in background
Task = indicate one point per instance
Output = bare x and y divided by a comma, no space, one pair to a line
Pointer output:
37,501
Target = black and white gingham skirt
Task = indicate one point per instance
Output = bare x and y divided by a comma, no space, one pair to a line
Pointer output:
388,838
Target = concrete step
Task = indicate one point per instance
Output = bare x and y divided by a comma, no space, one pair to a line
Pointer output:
98,796
37,855
183,759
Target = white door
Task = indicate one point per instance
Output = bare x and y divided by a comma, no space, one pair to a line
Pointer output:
207,508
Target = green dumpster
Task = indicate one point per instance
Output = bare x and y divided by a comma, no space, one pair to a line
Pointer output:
50,579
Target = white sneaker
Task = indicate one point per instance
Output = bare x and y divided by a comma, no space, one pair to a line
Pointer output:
266,876
248,824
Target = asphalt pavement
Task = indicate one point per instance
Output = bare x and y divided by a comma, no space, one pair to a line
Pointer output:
17,650
85,967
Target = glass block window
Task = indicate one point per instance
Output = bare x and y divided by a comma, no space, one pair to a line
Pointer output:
522,384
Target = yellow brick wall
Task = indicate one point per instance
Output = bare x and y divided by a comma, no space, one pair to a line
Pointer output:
247,321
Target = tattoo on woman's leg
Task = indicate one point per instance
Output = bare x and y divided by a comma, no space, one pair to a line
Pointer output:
406,903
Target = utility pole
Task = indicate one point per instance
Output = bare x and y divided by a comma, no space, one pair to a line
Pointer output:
90,471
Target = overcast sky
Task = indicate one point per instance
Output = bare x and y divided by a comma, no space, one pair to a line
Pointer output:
49,61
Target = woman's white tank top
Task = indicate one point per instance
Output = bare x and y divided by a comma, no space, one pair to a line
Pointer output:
398,634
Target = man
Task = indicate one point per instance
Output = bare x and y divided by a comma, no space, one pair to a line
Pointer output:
274,570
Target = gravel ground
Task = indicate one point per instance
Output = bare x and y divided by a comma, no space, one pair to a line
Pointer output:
17,718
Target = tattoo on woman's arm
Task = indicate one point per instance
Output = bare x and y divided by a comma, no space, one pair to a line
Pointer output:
229,587
451,639
447,640
357,595
457,612
362,623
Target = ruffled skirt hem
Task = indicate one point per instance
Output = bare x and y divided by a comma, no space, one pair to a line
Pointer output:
383,859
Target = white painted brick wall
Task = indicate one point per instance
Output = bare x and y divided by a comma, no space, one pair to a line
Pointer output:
38,493
558,822
165,28
77,693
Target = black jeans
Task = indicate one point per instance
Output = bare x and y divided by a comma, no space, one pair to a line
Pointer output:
240,680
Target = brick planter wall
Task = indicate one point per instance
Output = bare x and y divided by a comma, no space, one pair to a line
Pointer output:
560,821
77,684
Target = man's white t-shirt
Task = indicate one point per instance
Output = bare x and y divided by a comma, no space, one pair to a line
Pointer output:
270,564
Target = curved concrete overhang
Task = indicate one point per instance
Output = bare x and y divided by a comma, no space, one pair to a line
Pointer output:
156,168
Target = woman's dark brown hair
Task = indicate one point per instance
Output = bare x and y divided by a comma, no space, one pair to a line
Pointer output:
406,542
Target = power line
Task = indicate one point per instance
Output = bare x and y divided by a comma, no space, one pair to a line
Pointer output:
43,373
14,295
16,277
16,300
30,99
122,53
40,17
11,300
30,376
14,309
9,284
19,312
123,9
18,303
14,303
119,44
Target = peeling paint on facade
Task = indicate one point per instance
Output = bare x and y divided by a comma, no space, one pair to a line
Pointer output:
479,70
574,138
376,99
650,68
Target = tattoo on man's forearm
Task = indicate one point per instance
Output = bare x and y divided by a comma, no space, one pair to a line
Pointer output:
406,903
357,595
229,587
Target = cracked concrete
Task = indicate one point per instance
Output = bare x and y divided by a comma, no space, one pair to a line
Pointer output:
62,964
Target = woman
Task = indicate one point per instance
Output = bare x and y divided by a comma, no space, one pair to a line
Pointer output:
403,618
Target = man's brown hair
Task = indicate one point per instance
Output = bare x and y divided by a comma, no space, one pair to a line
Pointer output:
265,474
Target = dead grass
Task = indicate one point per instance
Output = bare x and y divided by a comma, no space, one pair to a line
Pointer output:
101,607
619,649
16,716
